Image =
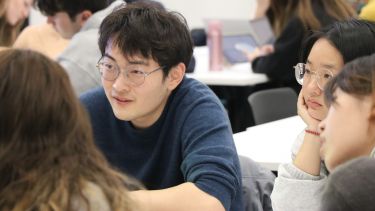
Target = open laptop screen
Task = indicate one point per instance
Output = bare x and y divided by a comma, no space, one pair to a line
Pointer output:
241,35
235,46
262,30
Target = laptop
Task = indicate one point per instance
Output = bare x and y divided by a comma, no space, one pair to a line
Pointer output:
235,47
262,31
241,35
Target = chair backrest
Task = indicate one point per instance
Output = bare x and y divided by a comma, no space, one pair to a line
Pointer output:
257,185
273,104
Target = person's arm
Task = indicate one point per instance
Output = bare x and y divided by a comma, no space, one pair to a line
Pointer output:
260,51
209,162
299,185
308,157
179,198
296,190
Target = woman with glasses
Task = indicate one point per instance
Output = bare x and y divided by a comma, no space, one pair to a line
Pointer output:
299,184
291,20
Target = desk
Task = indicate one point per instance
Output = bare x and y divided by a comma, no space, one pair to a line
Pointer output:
270,144
232,75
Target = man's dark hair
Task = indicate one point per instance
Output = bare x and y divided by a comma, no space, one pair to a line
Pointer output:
140,28
72,7
149,2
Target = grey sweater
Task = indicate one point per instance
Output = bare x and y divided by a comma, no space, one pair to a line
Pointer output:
296,190
80,57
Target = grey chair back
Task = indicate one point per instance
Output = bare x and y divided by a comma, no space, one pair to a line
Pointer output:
257,185
273,104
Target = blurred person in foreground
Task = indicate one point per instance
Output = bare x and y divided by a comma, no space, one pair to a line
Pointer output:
48,157
350,94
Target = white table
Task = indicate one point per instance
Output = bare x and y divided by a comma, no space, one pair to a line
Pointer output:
231,75
269,144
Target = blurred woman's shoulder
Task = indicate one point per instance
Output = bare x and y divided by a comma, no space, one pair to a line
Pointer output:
94,197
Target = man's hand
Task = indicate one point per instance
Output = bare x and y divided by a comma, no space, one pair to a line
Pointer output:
182,197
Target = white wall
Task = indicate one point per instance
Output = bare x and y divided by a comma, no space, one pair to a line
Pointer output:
36,17
197,10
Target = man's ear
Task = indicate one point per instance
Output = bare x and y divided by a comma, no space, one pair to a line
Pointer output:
175,76
371,119
371,122
372,114
83,16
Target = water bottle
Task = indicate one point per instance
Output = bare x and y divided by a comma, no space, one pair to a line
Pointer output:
215,45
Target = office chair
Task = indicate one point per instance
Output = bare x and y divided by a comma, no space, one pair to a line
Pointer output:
273,104
257,185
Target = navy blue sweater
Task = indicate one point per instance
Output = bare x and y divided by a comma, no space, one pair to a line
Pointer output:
190,142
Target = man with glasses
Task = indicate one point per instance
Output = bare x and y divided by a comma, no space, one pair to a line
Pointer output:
168,131
79,21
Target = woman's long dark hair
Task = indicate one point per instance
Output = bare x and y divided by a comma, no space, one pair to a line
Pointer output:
281,11
352,38
47,151
8,33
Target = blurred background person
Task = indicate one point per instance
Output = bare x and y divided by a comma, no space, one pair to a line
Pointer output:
357,4
368,11
79,21
351,186
46,40
12,15
291,20
261,8
42,38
